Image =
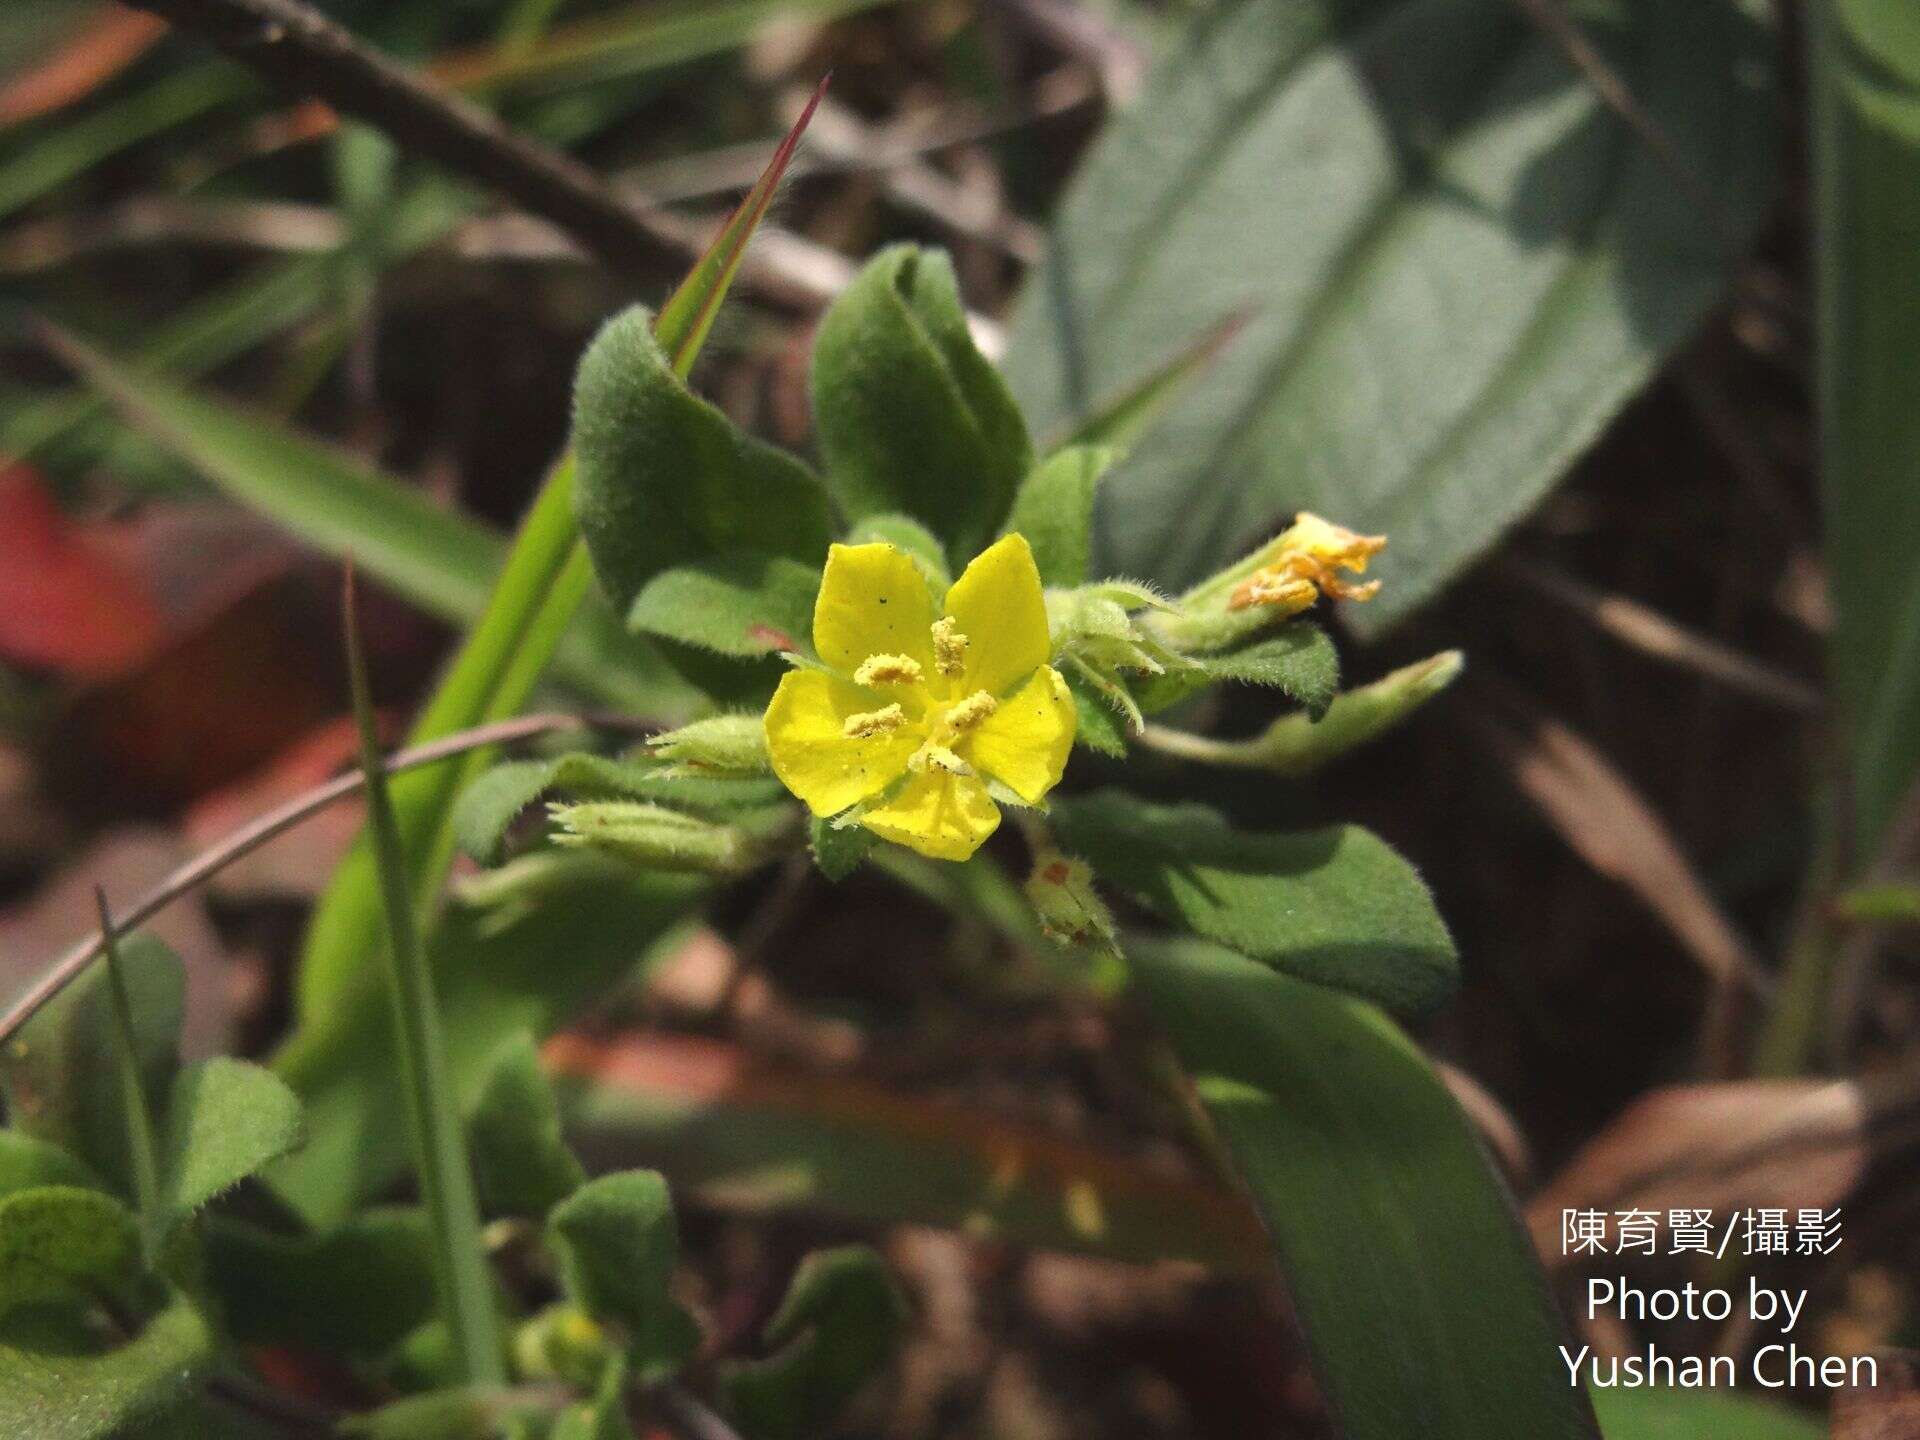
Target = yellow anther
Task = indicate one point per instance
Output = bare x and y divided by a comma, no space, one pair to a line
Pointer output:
869,723
971,711
949,646
888,670
937,757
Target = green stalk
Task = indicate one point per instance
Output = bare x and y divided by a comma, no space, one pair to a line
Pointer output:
133,1095
446,1177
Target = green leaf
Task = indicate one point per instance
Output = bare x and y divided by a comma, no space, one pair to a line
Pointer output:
492,803
226,1120
1866,153
1686,1415
357,1289
467,1412
617,1245
666,479
905,533
911,416
522,1164
742,603
1333,906
838,1327
27,1163
1418,1291
55,1384
59,1074
62,1243
1454,261
1298,660
604,1417
1054,510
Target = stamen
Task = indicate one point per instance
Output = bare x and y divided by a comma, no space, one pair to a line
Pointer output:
888,670
937,757
971,711
949,646
873,722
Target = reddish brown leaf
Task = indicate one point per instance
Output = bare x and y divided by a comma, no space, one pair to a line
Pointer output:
108,40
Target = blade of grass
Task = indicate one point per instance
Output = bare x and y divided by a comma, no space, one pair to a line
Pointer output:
446,1177
140,1142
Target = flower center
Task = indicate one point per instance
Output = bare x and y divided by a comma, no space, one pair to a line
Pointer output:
888,670
932,756
868,723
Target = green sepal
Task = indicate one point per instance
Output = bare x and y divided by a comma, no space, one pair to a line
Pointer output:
1298,659
838,850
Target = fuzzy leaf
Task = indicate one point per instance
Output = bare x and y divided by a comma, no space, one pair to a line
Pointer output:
838,1327
1333,906
743,603
911,416
1054,510
1101,727
1298,659
59,1074
56,1384
357,1290
1455,262
666,479
523,1165
59,1242
491,804
27,1163
226,1120
617,1245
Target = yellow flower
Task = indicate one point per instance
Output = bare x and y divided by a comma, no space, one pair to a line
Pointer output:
1305,563
918,709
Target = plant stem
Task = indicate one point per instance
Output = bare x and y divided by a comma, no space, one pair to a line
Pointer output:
133,1094
446,1178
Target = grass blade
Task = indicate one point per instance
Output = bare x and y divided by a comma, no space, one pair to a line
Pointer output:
140,1141
440,1151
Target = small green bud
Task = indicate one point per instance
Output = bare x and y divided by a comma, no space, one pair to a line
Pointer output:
722,744
563,1343
655,837
1070,911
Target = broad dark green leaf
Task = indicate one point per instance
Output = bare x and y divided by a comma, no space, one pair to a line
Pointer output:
62,1243
357,1289
1455,263
56,1384
226,1120
521,1161
1334,906
492,803
742,603
1054,510
498,972
59,1075
1423,1305
1689,1415
1867,169
666,479
912,418
836,1329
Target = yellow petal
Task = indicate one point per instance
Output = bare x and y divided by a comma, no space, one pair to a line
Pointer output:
812,753
944,817
873,601
1024,743
997,605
